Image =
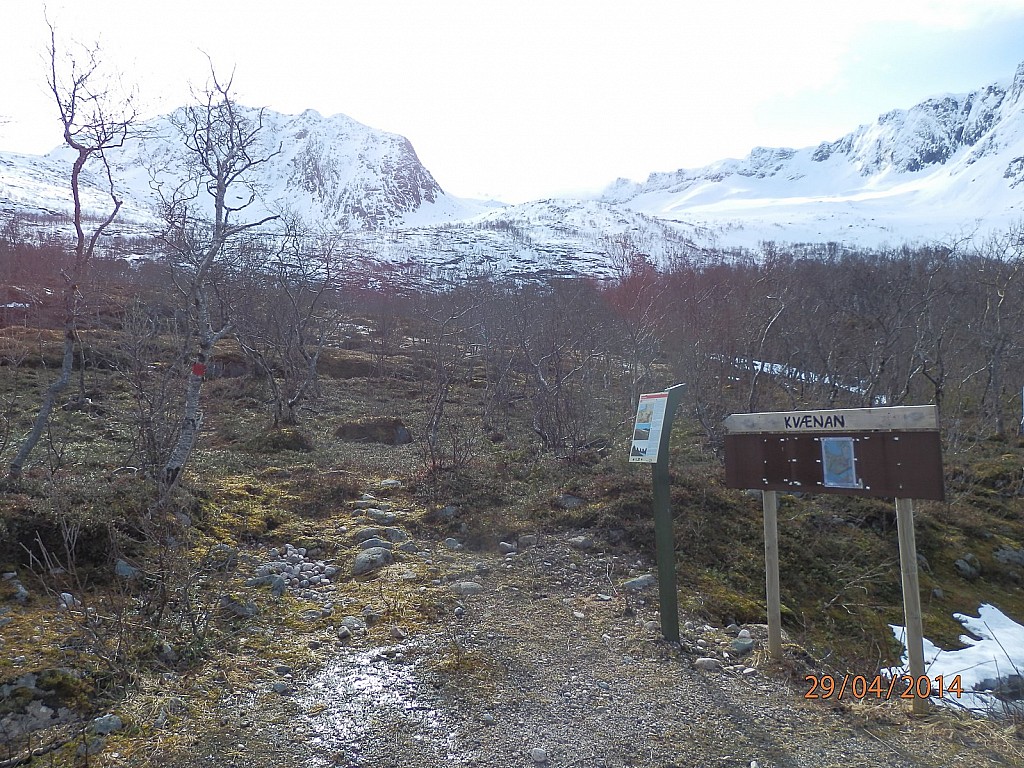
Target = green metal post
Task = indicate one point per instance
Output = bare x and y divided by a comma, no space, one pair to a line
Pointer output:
664,540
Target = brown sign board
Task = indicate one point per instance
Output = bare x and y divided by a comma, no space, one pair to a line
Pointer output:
881,452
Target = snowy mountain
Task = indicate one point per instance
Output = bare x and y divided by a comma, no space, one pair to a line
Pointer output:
951,165
328,169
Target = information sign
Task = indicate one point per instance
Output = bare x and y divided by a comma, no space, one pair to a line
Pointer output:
650,418
894,452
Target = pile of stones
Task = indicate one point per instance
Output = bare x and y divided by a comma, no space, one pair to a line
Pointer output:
293,569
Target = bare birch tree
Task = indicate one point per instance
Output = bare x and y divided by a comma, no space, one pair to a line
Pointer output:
204,215
95,120
286,309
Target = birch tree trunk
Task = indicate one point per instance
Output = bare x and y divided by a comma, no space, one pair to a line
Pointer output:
84,105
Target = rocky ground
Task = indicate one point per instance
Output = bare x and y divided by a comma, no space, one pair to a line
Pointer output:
541,651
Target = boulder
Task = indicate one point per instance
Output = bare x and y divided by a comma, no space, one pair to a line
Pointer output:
370,560
374,430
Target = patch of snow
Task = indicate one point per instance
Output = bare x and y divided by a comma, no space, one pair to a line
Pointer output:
994,655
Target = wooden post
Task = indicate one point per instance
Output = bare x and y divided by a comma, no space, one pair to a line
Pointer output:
911,597
664,539
770,504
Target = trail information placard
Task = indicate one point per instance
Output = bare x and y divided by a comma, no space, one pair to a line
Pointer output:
882,452
650,417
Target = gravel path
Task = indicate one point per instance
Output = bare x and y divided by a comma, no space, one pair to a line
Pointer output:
551,664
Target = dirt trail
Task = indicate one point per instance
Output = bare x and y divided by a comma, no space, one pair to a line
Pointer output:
552,656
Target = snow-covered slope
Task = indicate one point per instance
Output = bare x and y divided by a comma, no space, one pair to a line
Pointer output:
553,237
332,170
950,165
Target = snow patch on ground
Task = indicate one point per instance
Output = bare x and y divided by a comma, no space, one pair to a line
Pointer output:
989,667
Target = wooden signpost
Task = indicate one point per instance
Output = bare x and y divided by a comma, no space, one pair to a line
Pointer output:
882,452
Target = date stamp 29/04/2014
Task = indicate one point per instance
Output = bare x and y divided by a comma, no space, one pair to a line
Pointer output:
882,688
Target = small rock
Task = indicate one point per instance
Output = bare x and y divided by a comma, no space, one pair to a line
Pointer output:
382,516
105,724
938,594
390,484
506,548
452,544
395,535
1009,556
528,540
459,612
282,669
641,582
280,687
538,755
126,571
487,718
370,560
708,664
581,542
236,607
344,633
398,633
568,501
749,672
375,542
352,623
467,588
367,533
966,570
732,629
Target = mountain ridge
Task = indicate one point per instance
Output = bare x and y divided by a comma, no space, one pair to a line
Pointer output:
922,161
951,165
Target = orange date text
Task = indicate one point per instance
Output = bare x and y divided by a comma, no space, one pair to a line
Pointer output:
882,688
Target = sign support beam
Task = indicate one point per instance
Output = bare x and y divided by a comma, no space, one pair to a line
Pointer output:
770,504
911,598
664,539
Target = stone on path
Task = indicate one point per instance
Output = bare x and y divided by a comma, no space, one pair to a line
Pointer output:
370,560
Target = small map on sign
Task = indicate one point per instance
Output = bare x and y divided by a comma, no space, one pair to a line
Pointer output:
838,461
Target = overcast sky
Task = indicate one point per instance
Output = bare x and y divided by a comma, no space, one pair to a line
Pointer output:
532,98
